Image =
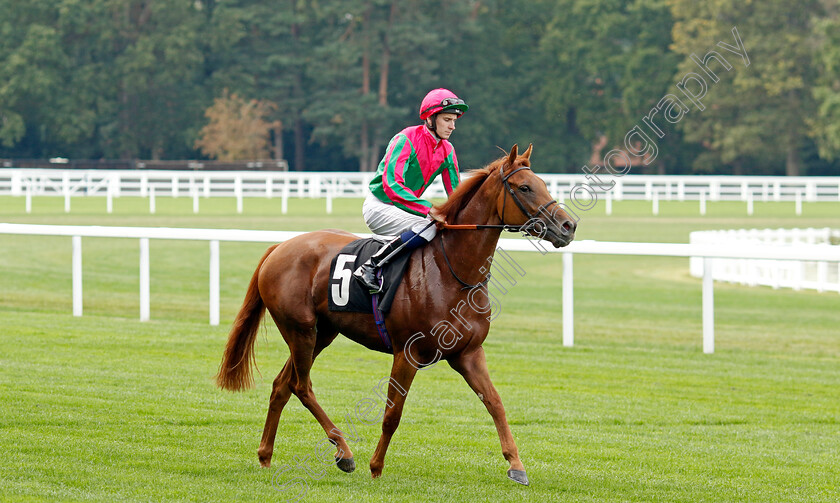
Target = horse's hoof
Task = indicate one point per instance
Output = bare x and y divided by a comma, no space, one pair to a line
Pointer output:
346,465
518,476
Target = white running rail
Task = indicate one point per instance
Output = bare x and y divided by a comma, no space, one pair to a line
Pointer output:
800,274
118,183
710,255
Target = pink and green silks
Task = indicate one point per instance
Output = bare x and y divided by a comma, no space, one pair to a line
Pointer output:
413,159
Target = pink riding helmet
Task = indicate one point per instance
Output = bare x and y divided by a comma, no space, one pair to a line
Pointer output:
441,100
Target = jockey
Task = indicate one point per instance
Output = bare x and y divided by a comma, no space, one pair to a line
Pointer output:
413,159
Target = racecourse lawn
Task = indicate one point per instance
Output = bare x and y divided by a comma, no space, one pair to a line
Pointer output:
106,408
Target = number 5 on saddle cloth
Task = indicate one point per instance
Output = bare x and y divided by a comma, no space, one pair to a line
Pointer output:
347,294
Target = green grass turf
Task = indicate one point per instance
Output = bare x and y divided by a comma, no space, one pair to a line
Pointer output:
105,408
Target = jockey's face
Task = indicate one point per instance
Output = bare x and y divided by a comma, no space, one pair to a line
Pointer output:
445,125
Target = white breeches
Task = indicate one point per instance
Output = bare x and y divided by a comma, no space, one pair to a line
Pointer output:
388,220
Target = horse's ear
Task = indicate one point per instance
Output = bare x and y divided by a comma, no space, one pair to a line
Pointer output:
527,153
513,153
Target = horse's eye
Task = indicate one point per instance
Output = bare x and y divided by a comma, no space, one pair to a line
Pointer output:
524,188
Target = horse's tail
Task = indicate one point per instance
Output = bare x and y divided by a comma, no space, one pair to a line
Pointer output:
235,371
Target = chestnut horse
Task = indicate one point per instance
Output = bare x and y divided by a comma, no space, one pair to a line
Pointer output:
292,282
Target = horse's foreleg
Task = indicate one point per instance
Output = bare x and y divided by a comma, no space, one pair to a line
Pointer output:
473,367
402,374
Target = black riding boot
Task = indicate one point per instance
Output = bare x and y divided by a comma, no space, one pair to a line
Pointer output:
366,273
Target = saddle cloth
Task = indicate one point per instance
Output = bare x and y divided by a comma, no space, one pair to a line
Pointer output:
348,294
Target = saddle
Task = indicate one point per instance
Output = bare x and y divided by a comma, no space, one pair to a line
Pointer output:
347,294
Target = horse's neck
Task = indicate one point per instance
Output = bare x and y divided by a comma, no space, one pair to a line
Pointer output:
471,249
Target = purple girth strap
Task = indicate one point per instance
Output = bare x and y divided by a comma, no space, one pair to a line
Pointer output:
379,319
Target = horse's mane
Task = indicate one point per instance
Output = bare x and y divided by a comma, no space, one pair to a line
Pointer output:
465,191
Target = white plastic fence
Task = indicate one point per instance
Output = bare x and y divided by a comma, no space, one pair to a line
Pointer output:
800,274
121,183
709,253
118,183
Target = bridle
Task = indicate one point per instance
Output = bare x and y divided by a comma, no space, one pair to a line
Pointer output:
516,200
505,227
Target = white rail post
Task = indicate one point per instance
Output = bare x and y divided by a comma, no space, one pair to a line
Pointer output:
17,180
268,188
798,202
568,301
144,279
114,184
609,202
708,307
284,204
77,275
152,199
237,188
749,202
702,202
214,282
314,186
65,189
329,199
655,202
109,200
29,196
195,199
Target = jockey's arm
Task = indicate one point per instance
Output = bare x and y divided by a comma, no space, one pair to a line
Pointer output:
450,174
400,159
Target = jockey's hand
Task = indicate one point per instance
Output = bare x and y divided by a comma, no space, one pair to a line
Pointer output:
437,218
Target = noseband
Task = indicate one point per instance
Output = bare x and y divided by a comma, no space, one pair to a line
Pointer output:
516,200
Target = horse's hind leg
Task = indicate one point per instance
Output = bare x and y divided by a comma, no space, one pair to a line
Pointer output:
280,392
303,355
304,345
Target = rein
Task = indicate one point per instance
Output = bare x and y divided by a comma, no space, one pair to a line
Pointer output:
466,285
503,225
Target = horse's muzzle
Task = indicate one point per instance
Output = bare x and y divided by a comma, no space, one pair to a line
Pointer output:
561,234
559,240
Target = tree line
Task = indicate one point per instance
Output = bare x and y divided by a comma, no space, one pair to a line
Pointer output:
326,83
